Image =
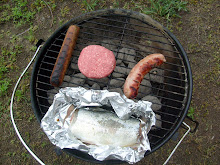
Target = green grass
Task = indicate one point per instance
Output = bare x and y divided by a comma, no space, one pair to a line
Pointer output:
30,34
7,59
22,12
90,5
7,63
19,95
165,8
191,113
160,8
65,11
4,85
18,13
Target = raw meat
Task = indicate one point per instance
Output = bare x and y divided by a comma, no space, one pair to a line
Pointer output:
96,61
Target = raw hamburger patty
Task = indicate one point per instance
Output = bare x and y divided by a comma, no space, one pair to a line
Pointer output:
96,61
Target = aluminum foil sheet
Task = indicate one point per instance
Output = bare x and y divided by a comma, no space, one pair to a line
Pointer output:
58,121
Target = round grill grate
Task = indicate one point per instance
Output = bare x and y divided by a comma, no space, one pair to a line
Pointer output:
131,36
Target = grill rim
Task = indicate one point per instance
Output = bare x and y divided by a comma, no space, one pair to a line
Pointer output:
189,91
108,12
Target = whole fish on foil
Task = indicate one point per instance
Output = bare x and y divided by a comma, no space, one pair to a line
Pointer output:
104,128
81,119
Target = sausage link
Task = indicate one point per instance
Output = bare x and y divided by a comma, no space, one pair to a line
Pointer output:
64,56
137,73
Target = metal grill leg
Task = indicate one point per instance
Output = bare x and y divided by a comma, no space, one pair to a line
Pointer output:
171,154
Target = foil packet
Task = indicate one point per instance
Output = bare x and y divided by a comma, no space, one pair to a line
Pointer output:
74,105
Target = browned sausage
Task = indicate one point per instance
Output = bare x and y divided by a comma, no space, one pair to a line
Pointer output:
137,73
64,56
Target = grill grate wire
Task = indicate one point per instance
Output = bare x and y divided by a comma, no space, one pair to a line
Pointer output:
171,93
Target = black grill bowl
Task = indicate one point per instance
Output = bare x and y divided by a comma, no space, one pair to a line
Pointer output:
124,29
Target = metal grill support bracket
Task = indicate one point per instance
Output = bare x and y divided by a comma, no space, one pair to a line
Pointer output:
175,148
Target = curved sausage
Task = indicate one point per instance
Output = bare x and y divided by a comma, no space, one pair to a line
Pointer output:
64,56
137,73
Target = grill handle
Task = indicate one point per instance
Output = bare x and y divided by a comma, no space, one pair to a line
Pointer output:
171,154
196,124
39,43
11,108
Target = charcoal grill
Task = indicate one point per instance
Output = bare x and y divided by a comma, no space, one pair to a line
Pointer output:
116,29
